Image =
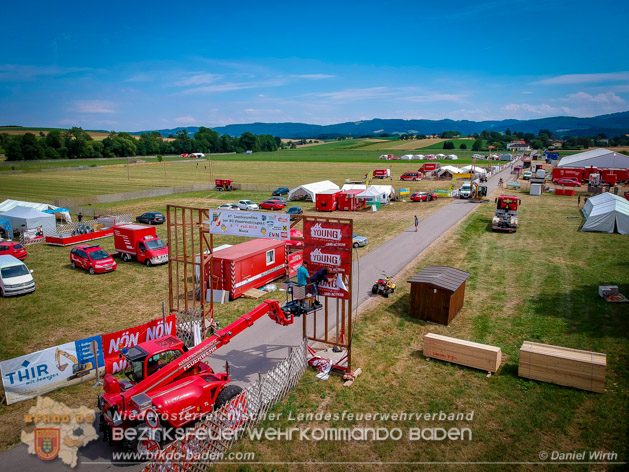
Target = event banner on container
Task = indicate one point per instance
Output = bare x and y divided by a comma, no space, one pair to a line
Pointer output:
40,372
250,224
113,343
327,234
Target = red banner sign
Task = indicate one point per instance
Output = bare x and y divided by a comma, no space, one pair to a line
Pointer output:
114,342
294,262
324,234
337,260
332,289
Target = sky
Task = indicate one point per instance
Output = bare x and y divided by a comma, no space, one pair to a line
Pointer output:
137,65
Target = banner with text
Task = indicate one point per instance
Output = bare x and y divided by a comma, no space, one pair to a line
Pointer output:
114,342
43,371
327,234
250,224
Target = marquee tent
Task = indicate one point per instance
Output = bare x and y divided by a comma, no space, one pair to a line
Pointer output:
309,191
29,217
602,158
385,193
605,213
7,228
10,204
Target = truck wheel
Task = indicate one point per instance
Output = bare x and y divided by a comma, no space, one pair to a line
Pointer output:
226,395
374,289
92,271
148,263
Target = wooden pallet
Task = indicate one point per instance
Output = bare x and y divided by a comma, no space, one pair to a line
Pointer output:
458,351
563,366
254,293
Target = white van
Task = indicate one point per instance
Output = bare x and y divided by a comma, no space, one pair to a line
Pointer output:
15,278
466,190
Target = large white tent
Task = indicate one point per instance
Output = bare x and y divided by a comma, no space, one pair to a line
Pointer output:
606,212
475,169
10,204
406,157
603,158
309,191
29,217
386,192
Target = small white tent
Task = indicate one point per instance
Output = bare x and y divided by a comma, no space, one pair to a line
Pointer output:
309,191
10,204
407,157
476,169
453,157
30,218
385,192
418,156
606,212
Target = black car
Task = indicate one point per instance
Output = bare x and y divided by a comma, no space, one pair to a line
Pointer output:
294,211
151,218
280,191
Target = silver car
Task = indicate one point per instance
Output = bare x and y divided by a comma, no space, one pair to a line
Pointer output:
248,205
359,241
229,206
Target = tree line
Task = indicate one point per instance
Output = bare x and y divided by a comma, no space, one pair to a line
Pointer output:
76,143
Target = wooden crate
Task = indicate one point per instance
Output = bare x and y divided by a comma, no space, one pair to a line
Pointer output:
458,351
563,366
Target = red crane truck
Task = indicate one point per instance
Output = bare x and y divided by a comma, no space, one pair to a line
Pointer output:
170,387
141,242
506,217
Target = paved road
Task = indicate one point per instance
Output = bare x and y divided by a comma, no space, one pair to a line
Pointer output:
258,350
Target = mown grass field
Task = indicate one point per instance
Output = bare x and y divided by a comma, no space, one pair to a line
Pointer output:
539,284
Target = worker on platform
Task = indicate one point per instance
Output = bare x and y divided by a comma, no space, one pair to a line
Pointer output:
302,274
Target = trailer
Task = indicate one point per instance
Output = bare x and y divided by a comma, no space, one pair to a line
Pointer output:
348,202
429,167
379,174
247,265
73,237
327,200
223,185
565,172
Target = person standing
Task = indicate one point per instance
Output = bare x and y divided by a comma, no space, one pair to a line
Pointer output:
416,223
579,201
80,217
302,274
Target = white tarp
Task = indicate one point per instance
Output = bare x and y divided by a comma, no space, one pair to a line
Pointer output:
605,212
310,190
30,218
11,204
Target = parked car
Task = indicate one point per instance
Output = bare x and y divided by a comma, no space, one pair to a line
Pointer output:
567,182
280,191
294,211
411,176
271,205
92,258
229,206
423,197
248,205
13,249
527,175
151,218
359,241
280,199
15,278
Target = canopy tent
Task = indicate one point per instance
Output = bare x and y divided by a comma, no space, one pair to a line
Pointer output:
10,204
309,191
606,212
440,156
476,169
5,225
386,193
453,157
418,156
29,217
450,170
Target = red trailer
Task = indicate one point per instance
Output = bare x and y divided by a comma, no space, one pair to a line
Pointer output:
429,166
223,184
349,202
327,200
613,176
566,172
251,264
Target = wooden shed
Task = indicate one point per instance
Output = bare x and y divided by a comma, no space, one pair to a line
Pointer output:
437,294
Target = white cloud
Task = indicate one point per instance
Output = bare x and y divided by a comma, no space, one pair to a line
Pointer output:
198,79
185,120
584,78
141,77
313,76
608,97
21,73
358,94
543,109
94,106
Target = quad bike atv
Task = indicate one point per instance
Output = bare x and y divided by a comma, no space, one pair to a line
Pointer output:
383,286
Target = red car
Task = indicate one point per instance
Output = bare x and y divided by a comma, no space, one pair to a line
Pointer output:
92,258
272,205
13,249
567,182
423,196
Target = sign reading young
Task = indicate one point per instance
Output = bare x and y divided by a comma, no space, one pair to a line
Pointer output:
250,224
327,234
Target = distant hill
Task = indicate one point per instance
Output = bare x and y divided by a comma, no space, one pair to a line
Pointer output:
564,126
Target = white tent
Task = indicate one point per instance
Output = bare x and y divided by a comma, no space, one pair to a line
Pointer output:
385,192
606,212
440,156
596,157
309,191
407,157
29,217
371,194
479,170
11,204
454,157
418,156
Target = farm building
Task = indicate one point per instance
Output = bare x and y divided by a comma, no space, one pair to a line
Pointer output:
310,191
601,158
606,213
437,294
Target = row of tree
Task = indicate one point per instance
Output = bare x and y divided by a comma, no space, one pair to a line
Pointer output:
76,143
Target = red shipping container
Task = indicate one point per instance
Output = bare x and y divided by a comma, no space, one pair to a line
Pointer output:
251,264
327,200
429,166
347,200
565,191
